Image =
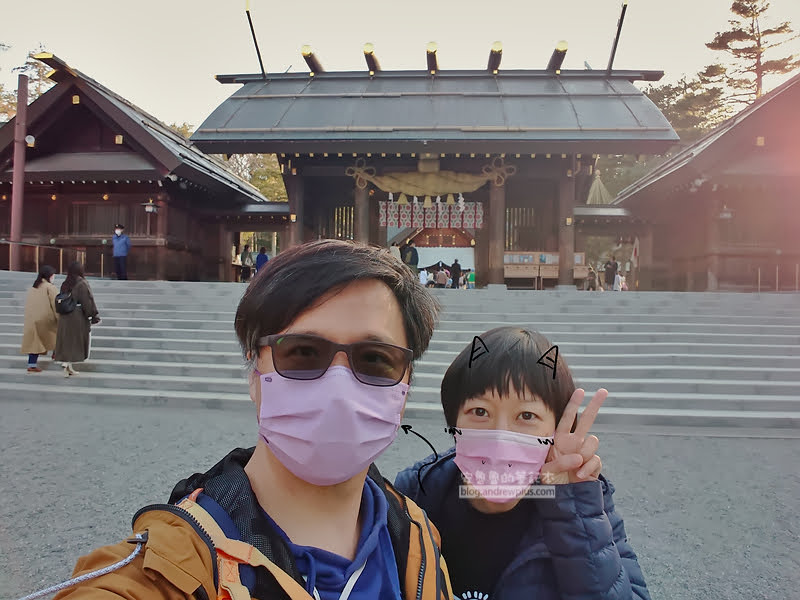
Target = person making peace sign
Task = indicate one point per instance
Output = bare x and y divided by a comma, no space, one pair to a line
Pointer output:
515,422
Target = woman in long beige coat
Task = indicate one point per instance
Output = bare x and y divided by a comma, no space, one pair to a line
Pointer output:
41,319
72,340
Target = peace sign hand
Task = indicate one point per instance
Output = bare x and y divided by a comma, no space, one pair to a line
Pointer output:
572,457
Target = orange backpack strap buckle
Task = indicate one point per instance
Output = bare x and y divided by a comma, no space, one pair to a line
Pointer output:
232,553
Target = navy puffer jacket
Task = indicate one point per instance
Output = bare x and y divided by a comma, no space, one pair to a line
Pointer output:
578,549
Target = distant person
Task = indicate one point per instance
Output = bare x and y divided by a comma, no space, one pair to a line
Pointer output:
394,249
440,278
471,280
423,277
246,259
122,246
41,320
261,259
411,256
72,340
610,269
591,279
455,272
623,283
617,283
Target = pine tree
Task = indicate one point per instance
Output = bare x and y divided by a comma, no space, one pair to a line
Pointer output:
747,41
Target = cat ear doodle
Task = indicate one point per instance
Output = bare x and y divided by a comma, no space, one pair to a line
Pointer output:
478,349
549,359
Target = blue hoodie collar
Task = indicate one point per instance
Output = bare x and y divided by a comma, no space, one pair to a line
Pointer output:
325,570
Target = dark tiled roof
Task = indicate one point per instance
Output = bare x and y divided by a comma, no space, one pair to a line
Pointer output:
174,153
453,111
687,165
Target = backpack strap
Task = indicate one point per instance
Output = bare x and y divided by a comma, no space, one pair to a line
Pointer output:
232,553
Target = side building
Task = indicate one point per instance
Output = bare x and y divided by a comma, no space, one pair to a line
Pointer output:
98,160
725,211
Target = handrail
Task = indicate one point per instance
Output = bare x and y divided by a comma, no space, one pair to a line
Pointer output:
9,242
53,246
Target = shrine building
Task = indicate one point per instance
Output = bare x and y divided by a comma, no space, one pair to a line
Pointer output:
492,162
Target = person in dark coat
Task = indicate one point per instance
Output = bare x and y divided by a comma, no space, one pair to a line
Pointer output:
502,537
610,269
72,340
455,273
411,256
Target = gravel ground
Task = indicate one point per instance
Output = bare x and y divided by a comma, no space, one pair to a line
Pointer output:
710,517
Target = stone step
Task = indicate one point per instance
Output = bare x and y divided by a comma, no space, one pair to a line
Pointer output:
789,390
143,380
172,344
597,365
685,418
613,346
662,400
426,373
623,370
105,338
451,338
622,393
448,329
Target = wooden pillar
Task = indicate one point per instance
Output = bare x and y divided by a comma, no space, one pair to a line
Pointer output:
274,244
223,254
497,232
566,227
18,176
361,215
377,234
296,206
645,268
712,242
161,240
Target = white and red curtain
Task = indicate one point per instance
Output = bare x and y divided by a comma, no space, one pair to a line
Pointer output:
438,216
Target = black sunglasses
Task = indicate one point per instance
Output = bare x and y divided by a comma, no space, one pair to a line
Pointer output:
301,356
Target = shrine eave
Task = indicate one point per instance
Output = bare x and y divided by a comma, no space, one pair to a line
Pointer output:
452,112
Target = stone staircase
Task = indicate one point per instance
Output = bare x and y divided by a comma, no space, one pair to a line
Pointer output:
704,360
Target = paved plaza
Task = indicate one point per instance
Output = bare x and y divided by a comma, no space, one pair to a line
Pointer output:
711,513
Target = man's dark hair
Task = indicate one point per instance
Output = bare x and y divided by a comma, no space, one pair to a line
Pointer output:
412,243
511,361
296,278
263,250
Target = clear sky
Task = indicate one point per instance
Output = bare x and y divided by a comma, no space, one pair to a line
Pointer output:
162,55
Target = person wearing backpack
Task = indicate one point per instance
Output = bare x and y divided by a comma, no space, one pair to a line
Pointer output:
41,319
74,327
328,331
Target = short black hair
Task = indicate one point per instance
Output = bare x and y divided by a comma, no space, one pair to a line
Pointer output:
296,278
511,361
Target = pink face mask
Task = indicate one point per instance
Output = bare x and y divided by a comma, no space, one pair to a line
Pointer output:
328,430
500,465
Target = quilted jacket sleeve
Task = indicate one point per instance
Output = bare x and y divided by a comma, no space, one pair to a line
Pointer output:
406,482
590,551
